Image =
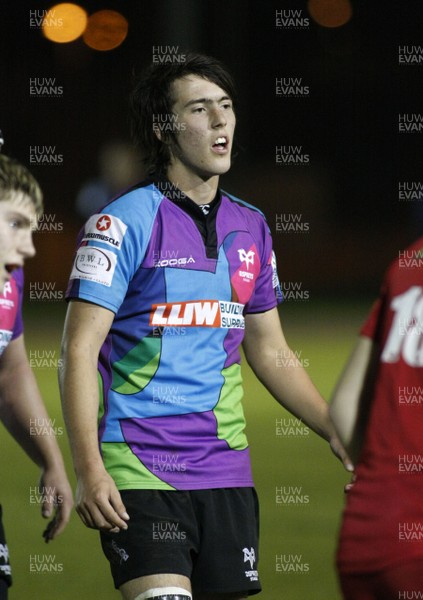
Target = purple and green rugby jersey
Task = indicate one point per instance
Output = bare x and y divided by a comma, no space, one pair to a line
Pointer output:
180,280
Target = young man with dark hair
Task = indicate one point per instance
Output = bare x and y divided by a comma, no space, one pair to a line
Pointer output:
20,401
168,281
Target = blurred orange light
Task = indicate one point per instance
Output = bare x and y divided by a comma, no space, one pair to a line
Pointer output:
64,22
330,13
106,30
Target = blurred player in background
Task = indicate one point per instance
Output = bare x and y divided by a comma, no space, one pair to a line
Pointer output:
377,408
20,400
168,280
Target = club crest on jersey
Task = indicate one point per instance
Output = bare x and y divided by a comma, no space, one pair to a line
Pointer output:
247,257
105,228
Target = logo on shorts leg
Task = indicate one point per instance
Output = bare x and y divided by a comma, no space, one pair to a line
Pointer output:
250,556
120,551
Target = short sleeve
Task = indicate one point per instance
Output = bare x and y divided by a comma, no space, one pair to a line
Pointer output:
110,249
267,292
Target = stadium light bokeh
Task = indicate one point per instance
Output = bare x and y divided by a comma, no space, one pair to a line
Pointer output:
64,23
330,13
103,30
106,30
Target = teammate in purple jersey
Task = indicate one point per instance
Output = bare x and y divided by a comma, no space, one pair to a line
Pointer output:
168,280
20,400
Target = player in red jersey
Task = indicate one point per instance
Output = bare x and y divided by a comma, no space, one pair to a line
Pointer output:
378,410
20,400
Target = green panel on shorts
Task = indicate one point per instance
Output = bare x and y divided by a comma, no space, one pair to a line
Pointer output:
127,471
229,412
132,372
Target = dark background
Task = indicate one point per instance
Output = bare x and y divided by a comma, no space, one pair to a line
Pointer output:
348,124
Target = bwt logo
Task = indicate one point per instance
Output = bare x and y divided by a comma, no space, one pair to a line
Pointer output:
291,19
291,156
291,87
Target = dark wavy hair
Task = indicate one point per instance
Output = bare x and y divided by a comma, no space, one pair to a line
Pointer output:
151,99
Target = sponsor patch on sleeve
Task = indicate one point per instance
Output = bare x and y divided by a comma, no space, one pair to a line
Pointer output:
105,228
94,264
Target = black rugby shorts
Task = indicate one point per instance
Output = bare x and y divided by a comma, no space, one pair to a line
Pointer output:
210,536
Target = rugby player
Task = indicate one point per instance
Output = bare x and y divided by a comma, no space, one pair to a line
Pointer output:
20,400
377,409
167,282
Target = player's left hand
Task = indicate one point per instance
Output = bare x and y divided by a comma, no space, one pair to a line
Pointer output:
56,500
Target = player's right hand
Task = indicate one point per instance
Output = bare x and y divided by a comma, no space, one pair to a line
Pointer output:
99,504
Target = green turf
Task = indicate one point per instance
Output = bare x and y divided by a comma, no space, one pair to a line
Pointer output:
324,335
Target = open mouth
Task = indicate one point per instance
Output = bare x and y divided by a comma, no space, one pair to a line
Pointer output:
221,143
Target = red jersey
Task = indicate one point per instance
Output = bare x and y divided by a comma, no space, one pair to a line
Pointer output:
11,309
383,519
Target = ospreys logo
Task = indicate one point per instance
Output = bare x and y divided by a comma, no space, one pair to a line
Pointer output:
247,257
250,556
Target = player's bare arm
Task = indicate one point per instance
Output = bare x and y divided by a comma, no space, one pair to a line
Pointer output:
20,401
98,501
350,399
289,384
